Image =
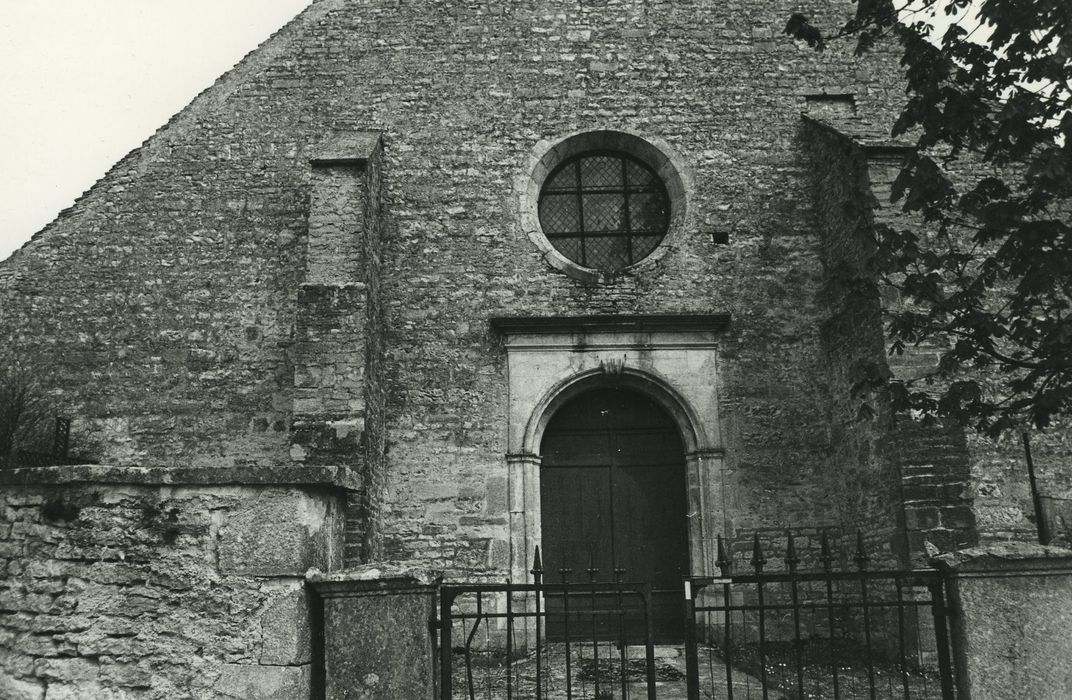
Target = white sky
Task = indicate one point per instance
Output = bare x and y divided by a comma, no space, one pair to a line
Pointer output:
82,82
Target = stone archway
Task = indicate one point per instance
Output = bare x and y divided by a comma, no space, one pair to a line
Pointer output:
670,359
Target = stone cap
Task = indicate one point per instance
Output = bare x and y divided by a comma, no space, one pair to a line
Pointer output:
1006,557
354,148
286,475
372,579
873,138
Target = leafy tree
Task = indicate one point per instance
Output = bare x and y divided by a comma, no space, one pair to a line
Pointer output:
24,413
988,274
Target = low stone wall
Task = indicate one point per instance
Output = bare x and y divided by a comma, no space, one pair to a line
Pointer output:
141,583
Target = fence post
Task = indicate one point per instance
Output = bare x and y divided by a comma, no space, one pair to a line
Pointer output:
692,662
446,648
377,627
1010,605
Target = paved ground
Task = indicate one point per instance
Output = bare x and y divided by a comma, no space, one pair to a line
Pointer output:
601,679
489,679
713,681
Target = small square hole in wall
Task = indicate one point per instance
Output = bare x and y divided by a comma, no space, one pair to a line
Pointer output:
830,105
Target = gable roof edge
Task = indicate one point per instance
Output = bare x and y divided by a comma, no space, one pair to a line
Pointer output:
206,100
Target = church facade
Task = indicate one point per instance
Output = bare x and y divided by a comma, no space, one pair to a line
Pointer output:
439,283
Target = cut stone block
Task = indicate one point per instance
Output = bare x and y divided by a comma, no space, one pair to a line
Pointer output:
278,533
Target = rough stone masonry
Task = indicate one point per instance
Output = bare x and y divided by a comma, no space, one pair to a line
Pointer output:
299,270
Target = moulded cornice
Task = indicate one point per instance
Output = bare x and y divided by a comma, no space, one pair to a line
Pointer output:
530,325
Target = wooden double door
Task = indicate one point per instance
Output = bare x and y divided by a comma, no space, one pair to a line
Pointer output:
613,497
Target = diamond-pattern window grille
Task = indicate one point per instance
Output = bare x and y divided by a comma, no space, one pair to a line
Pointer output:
644,245
639,175
603,213
612,253
647,213
563,180
604,210
558,213
570,247
599,172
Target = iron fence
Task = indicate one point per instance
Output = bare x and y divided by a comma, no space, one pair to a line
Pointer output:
817,634
775,635
570,639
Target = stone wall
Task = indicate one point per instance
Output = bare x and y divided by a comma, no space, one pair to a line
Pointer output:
164,307
700,77
1003,503
339,400
929,469
374,446
936,467
160,308
960,487
119,583
865,471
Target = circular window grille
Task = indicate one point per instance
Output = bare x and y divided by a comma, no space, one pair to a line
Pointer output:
604,210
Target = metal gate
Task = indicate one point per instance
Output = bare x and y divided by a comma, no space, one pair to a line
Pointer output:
770,635
819,634
493,641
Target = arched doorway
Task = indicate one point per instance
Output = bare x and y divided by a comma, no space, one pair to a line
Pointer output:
613,497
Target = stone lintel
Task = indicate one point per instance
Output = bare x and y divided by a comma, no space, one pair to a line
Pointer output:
1003,558
512,325
354,149
339,477
331,288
